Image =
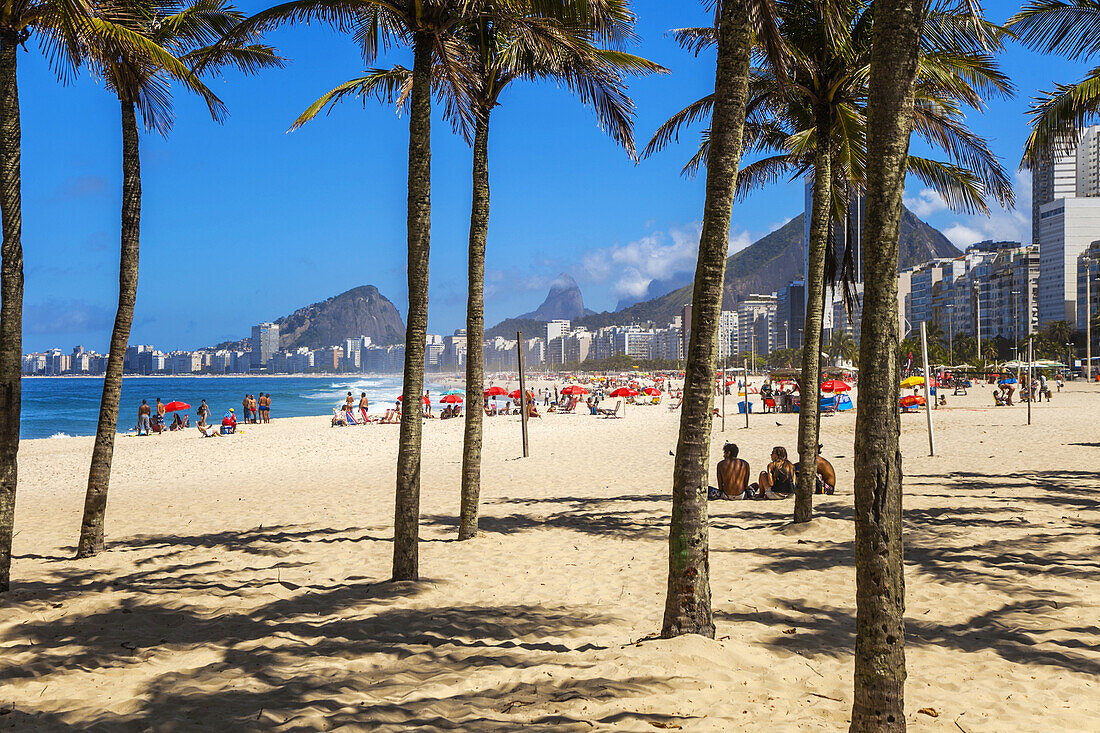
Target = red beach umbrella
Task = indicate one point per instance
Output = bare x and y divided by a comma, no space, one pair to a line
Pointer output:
176,405
495,392
911,400
452,398
624,392
652,391
835,385
574,389
425,400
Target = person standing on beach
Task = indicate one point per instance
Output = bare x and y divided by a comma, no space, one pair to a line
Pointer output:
160,414
267,407
255,408
363,405
143,417
203,412
244,409
349,402
427,403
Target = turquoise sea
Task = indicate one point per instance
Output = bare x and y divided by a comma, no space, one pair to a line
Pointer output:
69,406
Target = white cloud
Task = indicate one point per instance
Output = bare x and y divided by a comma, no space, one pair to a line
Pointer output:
1013,225
926,203
630,268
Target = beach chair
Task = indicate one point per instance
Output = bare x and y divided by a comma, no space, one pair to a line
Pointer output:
769,405
614,412
570,405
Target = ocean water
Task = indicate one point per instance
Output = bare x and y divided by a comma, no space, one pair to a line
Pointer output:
69,406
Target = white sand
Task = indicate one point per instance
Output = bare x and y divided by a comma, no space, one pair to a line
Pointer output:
245,586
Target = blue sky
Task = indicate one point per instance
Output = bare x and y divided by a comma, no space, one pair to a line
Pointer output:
244,222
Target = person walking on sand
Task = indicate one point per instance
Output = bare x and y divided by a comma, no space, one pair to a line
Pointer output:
143,417
203,413
363,405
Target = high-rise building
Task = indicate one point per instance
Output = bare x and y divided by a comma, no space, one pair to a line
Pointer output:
1066,228
790,315
1065,219
1073,172
755,316
265,342
555,329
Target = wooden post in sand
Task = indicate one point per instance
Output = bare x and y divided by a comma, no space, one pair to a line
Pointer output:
522,390
746,397
927,396
1030,390
523,387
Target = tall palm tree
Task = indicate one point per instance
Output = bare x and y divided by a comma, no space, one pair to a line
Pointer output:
63,28
499,50
1070,28
819,94
687,600
430,28
181,36
503,53
901,28
878,701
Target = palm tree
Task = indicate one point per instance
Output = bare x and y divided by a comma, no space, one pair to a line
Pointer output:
181,38
902,30
1070,28
843,346
500,51
431,28
687,601
63,29
504,53
819,94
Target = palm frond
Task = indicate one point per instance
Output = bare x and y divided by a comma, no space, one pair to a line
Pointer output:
389,86
1058,115
959,188
1069,27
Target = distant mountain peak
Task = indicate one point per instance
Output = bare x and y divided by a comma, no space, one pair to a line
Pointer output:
564,301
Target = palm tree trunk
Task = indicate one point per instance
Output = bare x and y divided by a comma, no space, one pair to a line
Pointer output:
475,333
809,414
687,603
99,475
879,701
406,523
11,295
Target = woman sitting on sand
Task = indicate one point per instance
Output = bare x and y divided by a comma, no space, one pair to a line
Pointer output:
777,480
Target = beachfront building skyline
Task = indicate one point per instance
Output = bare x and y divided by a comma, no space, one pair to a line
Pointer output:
1065,220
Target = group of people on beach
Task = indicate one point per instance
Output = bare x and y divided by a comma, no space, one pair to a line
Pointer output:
256,409
777,481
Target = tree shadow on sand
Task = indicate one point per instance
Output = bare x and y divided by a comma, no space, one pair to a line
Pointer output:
351,654
1010,631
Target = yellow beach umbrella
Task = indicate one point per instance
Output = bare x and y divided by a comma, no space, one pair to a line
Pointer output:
912,381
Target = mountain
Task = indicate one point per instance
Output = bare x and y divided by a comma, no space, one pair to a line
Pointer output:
562,302
763,267
920,242
361,311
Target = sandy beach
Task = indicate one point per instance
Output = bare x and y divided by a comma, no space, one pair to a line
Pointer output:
245,587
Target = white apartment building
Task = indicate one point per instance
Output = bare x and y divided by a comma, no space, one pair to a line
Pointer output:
1066,228
1065,219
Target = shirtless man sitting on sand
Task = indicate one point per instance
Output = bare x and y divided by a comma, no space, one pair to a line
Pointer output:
733,476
